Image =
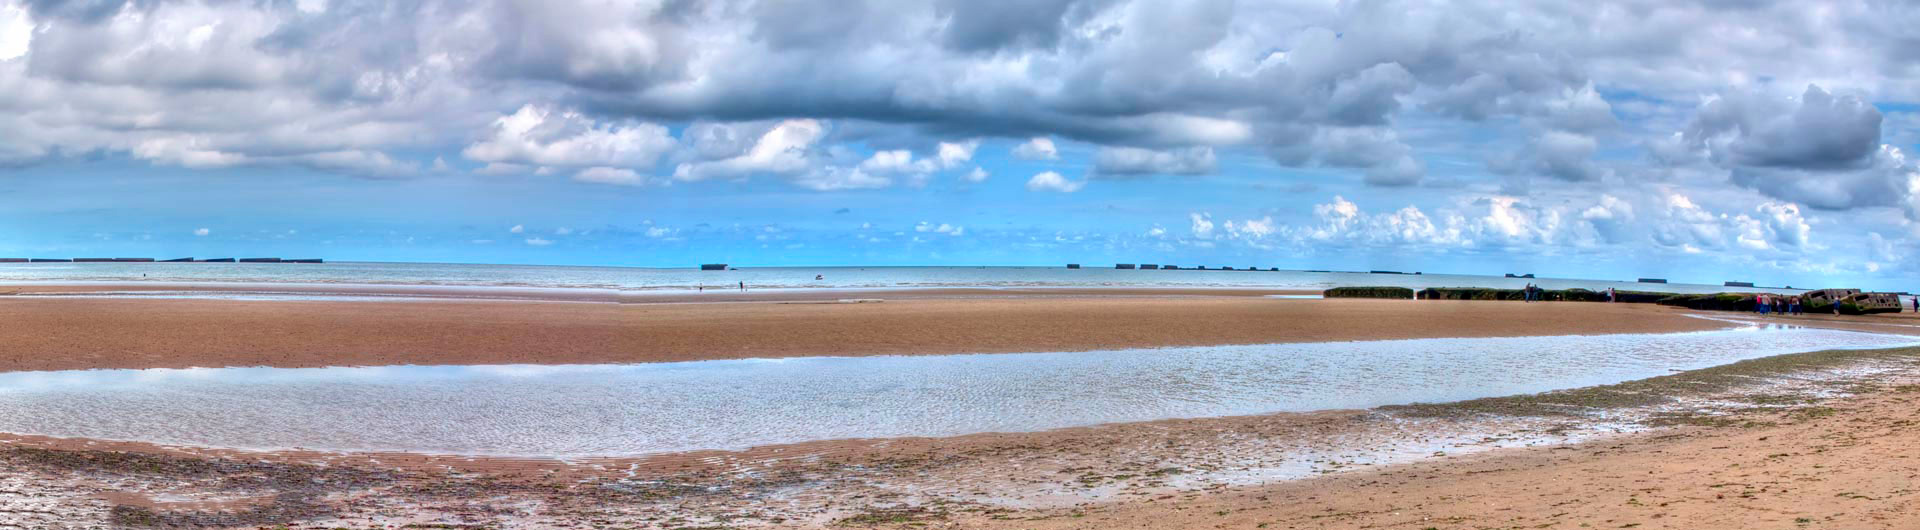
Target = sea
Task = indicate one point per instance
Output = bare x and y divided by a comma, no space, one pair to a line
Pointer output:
849,278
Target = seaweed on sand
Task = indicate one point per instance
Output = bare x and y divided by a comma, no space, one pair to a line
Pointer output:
295,488
1658,390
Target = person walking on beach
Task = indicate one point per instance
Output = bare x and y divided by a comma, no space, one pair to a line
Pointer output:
1611,297
1793,304
1526,294
1761,304
743,286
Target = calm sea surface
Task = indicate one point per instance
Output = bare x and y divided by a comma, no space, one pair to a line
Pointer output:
641,279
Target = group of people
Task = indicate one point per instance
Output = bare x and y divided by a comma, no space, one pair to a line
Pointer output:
1765,303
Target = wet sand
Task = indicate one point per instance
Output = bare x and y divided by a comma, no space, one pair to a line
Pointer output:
1843,464
61,333
1809,439
1798,442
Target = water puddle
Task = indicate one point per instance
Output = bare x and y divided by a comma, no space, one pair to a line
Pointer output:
624,410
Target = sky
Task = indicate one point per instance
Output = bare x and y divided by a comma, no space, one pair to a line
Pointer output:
1698,141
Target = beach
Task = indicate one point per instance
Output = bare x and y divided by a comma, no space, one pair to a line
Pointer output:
133,332
1813,436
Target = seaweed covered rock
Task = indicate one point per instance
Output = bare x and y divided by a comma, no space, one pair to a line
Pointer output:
1369,292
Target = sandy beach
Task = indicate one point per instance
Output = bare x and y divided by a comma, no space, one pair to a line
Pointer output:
178,333
1805,439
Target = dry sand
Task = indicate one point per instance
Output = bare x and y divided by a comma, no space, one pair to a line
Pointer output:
59,333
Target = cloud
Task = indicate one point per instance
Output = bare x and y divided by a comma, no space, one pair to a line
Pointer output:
1557,154
897,162
1378,150
1816,131
1816,149
16,31
614,176
1051,181
841,178
783,149
517,229
1037,148
202,232
954,154
1201,225
1132,161
540,136
942,228
732,97
539,242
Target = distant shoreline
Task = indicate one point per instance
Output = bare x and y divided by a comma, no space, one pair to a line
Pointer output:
646,280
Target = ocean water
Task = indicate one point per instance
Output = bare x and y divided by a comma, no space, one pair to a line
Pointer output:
645,279
622,410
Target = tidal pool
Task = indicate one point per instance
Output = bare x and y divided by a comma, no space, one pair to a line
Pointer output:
623,410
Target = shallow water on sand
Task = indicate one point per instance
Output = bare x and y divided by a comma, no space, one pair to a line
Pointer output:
617,410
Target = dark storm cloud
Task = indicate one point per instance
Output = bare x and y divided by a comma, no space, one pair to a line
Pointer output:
1817,149
1819,131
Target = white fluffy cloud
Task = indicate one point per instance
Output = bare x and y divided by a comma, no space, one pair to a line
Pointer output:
1051,181
546,137
1037,148
783,149
16,31
955,154
1200,225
